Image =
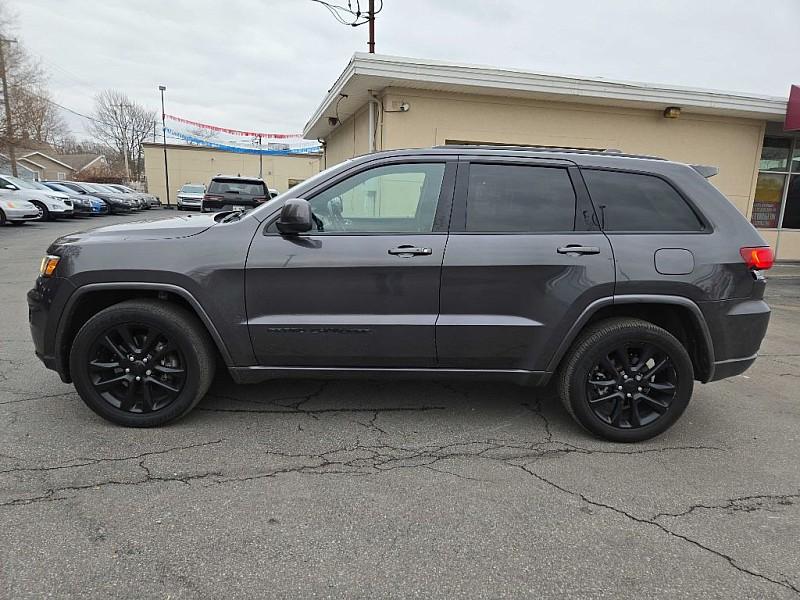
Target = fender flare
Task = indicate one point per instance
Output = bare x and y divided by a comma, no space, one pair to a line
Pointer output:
69,309
697,315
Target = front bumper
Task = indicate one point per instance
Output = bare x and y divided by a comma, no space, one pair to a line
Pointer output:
46,302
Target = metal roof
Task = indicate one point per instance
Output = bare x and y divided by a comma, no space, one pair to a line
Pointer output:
367,73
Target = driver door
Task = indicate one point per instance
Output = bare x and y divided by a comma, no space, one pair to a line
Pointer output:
362,288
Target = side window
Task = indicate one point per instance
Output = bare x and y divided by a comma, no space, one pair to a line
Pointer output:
513,198
389,199
635,202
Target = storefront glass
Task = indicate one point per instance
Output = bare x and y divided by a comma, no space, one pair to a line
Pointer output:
777,199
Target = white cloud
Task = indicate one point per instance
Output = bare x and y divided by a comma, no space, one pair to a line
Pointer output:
266,65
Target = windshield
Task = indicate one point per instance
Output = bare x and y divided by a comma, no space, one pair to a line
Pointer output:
237,186
21,183
193,189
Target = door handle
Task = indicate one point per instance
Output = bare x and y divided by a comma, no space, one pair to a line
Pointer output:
577,249
409,250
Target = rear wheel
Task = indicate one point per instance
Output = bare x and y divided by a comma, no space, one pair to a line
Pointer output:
2,217
626,380
142,363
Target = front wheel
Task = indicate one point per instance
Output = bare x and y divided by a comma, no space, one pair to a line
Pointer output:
142,363
44,213
626,380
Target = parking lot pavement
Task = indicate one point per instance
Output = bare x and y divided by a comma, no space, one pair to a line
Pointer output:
374,489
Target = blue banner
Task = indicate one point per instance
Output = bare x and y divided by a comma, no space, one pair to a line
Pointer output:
239,149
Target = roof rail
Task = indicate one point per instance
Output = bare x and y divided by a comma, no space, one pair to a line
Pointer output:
519,148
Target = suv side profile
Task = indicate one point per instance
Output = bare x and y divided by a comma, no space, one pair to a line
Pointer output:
624,278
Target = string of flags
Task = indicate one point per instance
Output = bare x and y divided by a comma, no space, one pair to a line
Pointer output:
240,149
260,143
255,134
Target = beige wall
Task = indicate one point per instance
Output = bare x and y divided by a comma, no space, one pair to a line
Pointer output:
434,118
190,164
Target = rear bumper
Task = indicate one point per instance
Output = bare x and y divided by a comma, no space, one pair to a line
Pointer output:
20,214
737,328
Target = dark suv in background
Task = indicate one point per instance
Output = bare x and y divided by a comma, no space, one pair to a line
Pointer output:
234,193
625,278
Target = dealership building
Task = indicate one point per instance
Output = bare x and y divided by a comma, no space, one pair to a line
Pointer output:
385,102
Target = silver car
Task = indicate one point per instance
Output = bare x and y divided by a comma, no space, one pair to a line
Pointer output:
17,212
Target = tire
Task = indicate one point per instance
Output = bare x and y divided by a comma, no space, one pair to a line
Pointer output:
602,393
2,217
44,213
168,337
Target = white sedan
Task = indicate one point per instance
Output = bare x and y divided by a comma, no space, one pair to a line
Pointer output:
50,204
17,211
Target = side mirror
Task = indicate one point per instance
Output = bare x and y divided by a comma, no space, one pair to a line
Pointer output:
295,217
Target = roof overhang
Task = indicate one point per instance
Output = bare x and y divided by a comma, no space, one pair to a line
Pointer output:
368,74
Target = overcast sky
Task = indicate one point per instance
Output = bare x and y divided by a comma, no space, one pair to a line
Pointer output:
266,64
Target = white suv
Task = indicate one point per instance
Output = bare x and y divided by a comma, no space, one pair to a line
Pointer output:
50,204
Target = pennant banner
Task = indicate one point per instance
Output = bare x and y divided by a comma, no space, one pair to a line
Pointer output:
274,136
239,149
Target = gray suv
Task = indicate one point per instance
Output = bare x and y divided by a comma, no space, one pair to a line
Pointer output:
624,279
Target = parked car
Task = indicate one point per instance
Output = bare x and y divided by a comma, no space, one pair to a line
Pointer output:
136,201
50,204
116,202
624,278
190,196
150,200
234,193
82,203
17,212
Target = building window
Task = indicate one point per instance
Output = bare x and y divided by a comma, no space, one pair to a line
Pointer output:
777,199
61,176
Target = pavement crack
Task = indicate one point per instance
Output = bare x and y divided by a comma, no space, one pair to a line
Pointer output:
741,504
731,561
93,461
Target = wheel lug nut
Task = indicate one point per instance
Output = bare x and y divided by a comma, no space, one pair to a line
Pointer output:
640,389
139,379
144,360
130,358
149,371
619,387
127,370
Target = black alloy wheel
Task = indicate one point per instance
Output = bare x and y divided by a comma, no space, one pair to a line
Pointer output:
632,386
142,363
626,379
136,368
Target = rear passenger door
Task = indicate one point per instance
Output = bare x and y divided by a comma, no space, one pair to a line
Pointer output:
524,258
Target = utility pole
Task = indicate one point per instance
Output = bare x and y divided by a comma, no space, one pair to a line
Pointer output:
12,155
371,17
164,133
260,160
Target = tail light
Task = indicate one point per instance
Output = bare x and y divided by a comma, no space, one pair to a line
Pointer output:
760,257
211,197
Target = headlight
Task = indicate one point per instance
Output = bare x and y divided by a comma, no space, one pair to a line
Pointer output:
49,264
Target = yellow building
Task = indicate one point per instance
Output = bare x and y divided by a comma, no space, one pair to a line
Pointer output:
385,102
196,164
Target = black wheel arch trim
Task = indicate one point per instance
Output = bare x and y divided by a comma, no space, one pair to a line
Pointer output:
66,315
593,307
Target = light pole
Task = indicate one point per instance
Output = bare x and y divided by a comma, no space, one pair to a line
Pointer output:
9,122
164,134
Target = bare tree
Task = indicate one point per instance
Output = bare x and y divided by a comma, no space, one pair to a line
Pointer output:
123,125
36,120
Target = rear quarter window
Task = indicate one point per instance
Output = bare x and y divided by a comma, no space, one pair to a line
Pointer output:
637,202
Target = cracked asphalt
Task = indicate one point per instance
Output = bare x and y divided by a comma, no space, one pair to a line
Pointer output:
308,489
